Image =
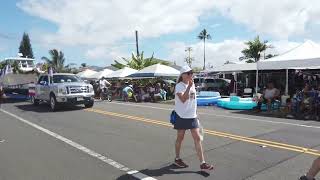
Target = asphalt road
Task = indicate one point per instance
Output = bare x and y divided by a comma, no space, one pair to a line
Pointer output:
112,139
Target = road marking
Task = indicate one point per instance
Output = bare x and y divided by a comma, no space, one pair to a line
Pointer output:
226,116
136,174
262,142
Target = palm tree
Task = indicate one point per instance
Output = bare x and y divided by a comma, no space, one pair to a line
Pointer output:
204,36
138,62
83,65
255,47
57,60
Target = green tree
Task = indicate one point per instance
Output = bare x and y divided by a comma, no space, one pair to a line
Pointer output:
196,69
56,61
270,56
44,67
250,61
138,62
204,35
254,49
83,65
15,67
25,46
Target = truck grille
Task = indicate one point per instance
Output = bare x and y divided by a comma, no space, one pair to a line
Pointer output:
78,89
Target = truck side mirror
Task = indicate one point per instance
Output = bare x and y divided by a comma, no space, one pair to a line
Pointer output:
43,82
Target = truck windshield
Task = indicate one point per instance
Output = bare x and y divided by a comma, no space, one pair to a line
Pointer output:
65,78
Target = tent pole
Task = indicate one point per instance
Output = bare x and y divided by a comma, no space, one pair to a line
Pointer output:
257,80
287,81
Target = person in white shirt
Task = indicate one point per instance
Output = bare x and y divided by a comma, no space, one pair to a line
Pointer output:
103,85
186,117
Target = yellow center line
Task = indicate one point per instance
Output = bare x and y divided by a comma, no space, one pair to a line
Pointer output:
217,133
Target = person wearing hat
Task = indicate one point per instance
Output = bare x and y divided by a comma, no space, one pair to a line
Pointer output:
127,92
186,117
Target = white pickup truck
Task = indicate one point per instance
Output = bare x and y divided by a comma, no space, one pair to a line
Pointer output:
63,88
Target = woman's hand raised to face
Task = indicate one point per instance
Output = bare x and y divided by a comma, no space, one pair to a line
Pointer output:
190,83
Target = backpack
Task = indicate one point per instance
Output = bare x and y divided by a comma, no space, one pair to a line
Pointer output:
173,117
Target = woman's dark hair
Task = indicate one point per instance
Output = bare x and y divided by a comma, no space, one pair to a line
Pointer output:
179,79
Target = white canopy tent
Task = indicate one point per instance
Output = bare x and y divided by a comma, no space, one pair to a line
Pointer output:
304,56
157,70
235,67
86,73
100,74
121,73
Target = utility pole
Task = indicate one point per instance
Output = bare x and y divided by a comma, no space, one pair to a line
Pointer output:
137,44
189,59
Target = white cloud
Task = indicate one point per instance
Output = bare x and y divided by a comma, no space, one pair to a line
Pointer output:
218,53
281,19
106,53
101,22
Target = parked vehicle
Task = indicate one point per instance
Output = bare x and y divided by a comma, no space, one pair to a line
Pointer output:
63,88
212,84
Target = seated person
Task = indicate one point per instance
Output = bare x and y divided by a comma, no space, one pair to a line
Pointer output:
137,93
151,91
144,95
157,92
163,93
270,94
127,92
1,94
307,104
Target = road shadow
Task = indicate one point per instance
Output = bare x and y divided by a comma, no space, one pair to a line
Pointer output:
44,108
11,101
273,114
166,170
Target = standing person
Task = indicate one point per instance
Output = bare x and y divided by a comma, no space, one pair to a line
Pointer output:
103,83
313,171
1,95
186,117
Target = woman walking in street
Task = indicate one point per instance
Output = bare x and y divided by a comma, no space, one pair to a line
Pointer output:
186,117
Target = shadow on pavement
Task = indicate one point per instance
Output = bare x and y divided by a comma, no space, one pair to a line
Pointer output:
44,108
10,101
273,114
170,169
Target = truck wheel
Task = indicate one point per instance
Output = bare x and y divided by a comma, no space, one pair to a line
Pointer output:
53,103
89,104
35,101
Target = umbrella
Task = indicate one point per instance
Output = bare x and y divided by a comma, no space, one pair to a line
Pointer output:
101,74
121,73
86,73
157,70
